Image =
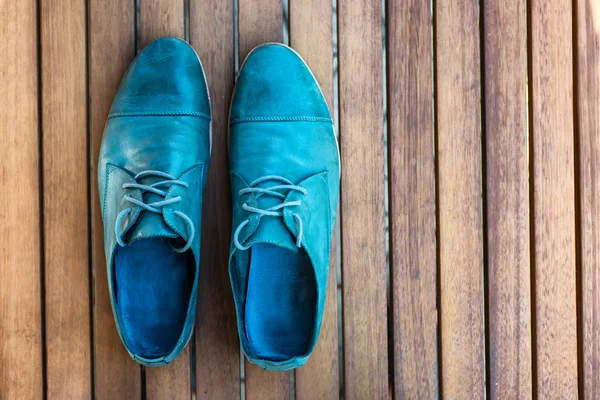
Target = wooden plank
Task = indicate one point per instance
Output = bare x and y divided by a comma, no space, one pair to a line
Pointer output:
259,21
362,200
311,35
112,48
507,182
553,199
171,381
21,374
67,274
159,19
266,385
412,199
588,90
217,343
459,198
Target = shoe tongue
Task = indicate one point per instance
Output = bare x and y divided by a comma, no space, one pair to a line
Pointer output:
272,230
150,224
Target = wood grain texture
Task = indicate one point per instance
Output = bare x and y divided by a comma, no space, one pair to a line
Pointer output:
20,303
553,199
362,200
172,381
311,35
588,73
412,199
159,18
259,21
266,385
112,48
65,142
507,182
217,343
459,190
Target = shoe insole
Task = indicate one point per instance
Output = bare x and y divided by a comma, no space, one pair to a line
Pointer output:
153,287
281,303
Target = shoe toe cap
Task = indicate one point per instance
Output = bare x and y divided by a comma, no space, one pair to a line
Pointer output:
275,84
165,78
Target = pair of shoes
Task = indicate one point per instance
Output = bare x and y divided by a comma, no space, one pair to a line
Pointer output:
284,170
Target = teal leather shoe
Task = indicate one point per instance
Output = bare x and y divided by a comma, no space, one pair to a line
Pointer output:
285,171
151,177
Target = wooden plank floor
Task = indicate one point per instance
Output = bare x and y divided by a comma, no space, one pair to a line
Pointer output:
468,240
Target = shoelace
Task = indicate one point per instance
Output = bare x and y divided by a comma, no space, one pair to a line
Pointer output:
155,207
276,210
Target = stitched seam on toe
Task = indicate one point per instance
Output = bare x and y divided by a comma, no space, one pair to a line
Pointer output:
159,114
280,119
